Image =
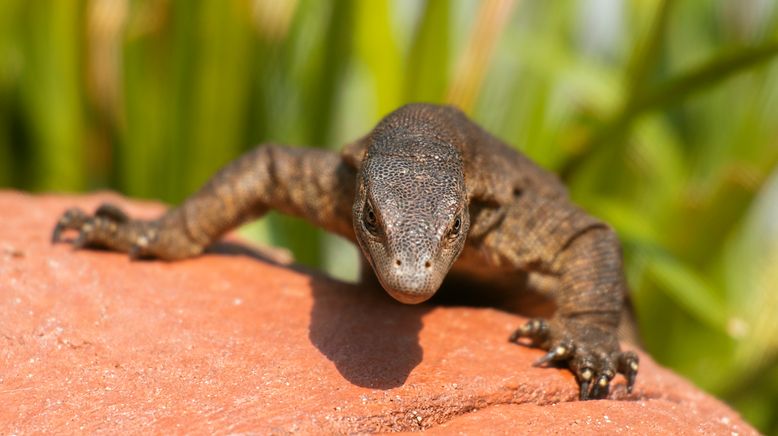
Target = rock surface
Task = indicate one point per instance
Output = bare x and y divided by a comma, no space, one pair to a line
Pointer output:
228,342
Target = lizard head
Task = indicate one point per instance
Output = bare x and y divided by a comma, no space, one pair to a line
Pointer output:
410,214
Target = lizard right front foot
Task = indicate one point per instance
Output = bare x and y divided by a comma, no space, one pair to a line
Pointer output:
592,353
110,228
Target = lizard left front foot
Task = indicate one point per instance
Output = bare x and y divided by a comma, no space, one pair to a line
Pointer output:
592,353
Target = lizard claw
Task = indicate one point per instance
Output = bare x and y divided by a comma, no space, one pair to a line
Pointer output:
558,352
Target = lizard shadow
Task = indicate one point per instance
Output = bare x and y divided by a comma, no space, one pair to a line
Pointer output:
372,339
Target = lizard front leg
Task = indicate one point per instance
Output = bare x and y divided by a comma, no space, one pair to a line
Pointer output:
309,183
583,331
557,239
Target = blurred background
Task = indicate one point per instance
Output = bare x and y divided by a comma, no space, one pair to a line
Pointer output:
661,116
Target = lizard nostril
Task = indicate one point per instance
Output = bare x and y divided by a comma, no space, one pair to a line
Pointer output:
427,264
398,262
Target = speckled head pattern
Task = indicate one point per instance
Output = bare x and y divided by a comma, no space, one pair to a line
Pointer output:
410,211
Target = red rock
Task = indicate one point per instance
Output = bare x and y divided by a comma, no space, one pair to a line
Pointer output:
94,342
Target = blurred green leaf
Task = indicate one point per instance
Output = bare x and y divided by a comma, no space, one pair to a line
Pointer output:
721,67
220,83
377,47
646,56
689,290
428,63
148,96
628,222
52,94
9,65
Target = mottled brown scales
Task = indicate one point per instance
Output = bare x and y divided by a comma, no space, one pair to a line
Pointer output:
427,195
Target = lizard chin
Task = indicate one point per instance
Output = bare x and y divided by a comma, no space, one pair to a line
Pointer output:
409,298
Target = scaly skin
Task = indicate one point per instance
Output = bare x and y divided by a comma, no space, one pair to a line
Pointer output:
425,193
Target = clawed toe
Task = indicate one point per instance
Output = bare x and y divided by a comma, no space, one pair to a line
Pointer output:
584,383
628,365
561,351
602,385
535,330
72,219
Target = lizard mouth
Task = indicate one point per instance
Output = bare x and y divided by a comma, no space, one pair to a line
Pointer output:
409,297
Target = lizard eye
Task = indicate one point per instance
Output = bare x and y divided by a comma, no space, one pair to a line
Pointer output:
370,219
457,227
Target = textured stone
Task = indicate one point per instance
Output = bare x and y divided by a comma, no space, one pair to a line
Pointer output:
229,342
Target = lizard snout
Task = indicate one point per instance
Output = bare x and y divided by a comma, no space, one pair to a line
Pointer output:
411,280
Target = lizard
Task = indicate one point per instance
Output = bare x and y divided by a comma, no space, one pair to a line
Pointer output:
427,194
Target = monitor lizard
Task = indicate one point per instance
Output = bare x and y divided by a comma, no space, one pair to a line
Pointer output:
426,194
